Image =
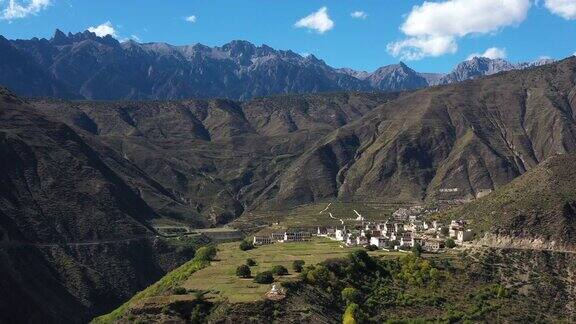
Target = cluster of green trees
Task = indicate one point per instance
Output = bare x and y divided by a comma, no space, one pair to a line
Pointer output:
245,246
265,277
363,284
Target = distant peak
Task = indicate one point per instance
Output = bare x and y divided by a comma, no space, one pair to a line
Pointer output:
60,38
238,44
239,48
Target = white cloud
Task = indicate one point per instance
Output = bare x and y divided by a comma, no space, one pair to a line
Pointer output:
191,19
359,14
104,29
434,28
15,10
491,53
318,21
415,48
563,8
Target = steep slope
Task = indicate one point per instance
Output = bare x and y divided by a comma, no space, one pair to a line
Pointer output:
539,205
474,135
74,237
217,158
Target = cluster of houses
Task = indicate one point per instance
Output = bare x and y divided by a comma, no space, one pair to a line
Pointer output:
399,235
404,230
281,237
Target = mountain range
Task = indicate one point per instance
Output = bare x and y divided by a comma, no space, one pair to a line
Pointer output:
195,160
85,66
83,182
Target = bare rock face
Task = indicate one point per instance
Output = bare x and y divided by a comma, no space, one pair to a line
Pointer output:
483,66
85,66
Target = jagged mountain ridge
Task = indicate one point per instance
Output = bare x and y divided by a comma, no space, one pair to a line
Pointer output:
85,66
482,66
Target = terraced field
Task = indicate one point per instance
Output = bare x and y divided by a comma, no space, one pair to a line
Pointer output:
318,214
220,276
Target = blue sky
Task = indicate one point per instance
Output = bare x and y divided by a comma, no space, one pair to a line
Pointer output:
430,37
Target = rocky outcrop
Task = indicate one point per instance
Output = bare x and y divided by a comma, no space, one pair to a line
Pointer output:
523,243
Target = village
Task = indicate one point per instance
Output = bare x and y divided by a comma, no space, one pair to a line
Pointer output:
403,231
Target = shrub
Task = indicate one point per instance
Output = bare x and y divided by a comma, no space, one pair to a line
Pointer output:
450,243
371,247
245,246
391,244
444,231
417,249
243,271
298,265
350,314
350,295
250,262
206,253
279,270
179,291
265,277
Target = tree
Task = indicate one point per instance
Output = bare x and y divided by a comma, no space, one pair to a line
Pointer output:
391,244
371,247
298,265
444,231
279,270
350,314
265,277
206,253
450,243
245,246
417,249
243,271
350,295
250,262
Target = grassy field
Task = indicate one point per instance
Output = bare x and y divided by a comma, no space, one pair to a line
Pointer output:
220,276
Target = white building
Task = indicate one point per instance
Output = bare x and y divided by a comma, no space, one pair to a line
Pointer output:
455,227
407,239
351,240
261,240
278,237
297,236
380,242
325,231
464,236
432,244
341,234
361,240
